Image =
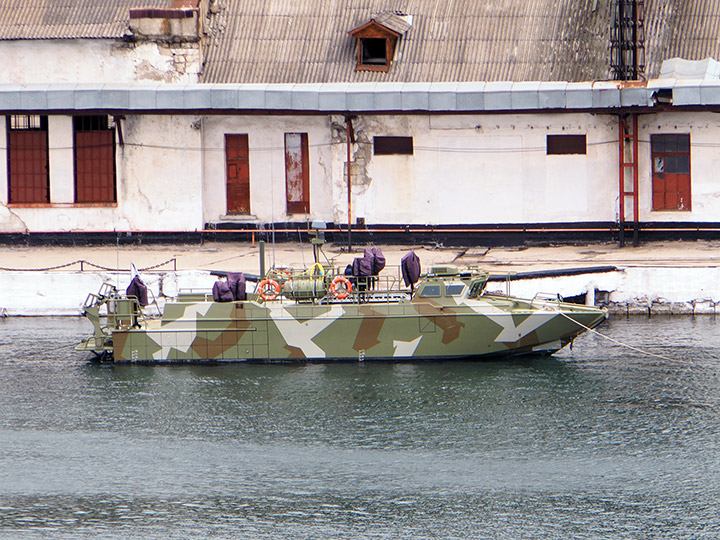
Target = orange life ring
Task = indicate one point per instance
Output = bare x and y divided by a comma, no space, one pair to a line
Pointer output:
269,289
341,294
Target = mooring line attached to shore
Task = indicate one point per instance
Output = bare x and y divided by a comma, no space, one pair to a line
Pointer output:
66,346
54,349
636,349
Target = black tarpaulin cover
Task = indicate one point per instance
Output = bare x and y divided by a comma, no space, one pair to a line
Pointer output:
378,259
138,289
410,266
236,282
233,288
221,291
362,266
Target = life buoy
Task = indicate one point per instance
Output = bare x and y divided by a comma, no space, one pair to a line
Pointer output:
268,289
341,294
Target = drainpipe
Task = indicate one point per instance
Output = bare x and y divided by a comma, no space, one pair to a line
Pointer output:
202,172
350,140
118,127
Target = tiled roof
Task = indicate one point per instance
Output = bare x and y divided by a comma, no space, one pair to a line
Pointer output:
68,19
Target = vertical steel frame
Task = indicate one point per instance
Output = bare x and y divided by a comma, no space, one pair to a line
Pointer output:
628,175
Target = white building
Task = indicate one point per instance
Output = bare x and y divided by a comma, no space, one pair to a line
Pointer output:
165,122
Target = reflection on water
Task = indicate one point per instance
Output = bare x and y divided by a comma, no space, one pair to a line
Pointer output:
597,442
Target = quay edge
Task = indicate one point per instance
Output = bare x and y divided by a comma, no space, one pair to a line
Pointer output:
644,290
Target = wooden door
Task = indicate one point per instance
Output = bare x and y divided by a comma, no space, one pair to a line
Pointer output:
95,166
238,174
28,167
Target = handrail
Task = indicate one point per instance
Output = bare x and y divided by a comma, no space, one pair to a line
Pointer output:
154,302
546,297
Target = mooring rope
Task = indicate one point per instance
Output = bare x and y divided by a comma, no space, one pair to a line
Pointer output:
617,342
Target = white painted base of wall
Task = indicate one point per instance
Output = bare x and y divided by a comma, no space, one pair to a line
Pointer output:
65,293
636,290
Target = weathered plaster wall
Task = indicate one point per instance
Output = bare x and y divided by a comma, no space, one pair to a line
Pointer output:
465,169
160,185
106,61
480,169
60,159
8,219
159,181
266,140
704,130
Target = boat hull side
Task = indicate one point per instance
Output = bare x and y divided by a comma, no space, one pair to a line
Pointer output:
250,332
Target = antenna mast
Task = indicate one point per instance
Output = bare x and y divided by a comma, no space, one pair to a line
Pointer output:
627,40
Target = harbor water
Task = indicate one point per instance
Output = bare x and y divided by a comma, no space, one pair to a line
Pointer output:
597,442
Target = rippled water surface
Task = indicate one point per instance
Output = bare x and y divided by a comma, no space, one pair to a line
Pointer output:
597,442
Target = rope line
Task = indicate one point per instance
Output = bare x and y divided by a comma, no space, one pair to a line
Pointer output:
39,269
84,262
632,348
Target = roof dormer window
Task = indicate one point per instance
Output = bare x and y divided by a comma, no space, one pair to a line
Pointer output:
377,41
373,52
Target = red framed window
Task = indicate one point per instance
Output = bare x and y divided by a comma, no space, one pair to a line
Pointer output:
671,172
94,152
27,159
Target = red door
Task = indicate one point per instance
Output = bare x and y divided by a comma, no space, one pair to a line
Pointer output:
28,165
238,174
95,166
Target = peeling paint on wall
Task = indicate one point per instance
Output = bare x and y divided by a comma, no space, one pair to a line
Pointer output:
360,158
10,221
110,61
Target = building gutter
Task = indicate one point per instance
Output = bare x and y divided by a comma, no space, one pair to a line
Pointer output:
357,98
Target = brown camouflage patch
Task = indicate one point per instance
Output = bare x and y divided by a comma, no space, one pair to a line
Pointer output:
213,348
369,331
444,318
450,326
295,352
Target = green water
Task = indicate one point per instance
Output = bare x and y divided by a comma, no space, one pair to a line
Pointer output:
598,442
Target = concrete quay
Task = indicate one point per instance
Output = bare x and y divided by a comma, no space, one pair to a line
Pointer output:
653,278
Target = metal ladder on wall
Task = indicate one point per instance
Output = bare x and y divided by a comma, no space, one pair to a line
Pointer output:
628,176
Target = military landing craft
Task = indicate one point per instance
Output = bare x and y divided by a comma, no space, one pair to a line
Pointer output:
322,315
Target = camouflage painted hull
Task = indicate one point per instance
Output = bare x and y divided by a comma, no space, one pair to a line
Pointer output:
406,330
